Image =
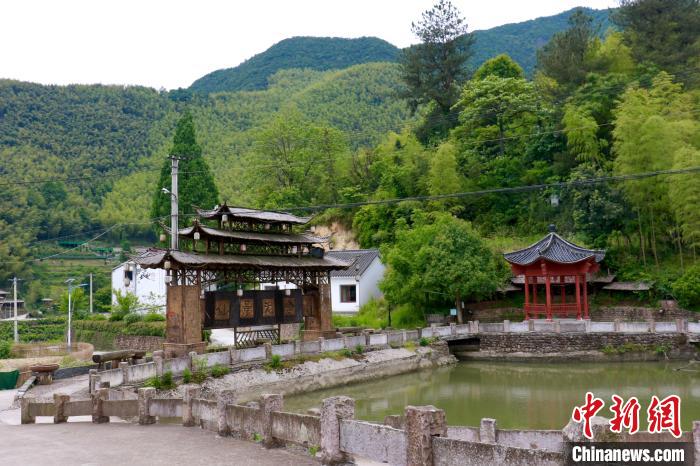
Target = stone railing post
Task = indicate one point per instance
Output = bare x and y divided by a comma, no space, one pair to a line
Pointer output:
268,350
420,332
297,347
322,344
145,395
366,339
487,431
158,357
453,328
422,424
188,397
681,325
506,326
696,441
59,401
269,402
557,326
222,424
91,380
531,325
233,353
191,363
476,326
98,398
26,416
124,367
404,337
652,326
333,411
616,325
587,325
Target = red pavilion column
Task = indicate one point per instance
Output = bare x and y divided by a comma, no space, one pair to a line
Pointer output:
585,297
548,303
534,295
527,296
562,281
578,296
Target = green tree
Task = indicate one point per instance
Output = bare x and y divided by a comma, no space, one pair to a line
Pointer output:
664,32
445,257
502,66
78,302
684,193
195,183
563,57
433,69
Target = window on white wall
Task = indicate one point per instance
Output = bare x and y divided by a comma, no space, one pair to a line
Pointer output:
348,293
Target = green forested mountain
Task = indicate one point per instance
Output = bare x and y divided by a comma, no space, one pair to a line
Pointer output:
316,53
521,40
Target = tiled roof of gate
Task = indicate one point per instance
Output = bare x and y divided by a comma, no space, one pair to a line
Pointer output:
553,248
357,258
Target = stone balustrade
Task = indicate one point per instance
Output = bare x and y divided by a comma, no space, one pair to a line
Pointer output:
419,437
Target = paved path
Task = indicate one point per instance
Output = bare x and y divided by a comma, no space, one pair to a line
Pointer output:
132,445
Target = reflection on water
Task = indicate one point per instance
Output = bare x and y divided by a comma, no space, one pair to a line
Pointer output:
518,395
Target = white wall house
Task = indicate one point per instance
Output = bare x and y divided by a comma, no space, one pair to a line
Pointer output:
147,284
354,287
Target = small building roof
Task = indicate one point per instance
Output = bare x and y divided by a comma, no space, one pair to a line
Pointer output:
553,248
245,214
249,236
359,260
628,286
155,258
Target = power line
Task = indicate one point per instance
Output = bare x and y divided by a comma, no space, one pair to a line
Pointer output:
516,189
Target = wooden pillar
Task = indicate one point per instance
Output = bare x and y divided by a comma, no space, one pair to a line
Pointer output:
548,302
562,281
585,298
578,296
527,296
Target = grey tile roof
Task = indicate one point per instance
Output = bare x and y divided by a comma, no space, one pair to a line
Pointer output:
155,258
359,259
250,236
245,214
553,248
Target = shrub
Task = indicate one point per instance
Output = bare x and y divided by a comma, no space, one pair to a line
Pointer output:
219,371
116,317
423,341
275,362
345,352
132,318
359,349
687,288
165,382
5,349
200,372
154,317
187,375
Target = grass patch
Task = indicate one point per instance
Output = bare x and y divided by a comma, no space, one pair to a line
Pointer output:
164,382
218,371
423,341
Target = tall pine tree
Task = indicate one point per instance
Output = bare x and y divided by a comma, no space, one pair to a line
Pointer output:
196,185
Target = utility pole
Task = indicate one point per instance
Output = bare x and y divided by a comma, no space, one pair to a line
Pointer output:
90,292
70,290
14,283
174,236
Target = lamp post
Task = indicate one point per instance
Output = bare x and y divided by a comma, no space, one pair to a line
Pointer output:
357,287
71,287
14,286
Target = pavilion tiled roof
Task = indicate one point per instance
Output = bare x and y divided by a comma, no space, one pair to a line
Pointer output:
553,248
250,236
246,214
155,258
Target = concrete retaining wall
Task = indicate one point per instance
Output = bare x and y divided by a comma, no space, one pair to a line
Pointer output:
310,347
243,420
301,429
569,342
165,407
451,452
222,358
373,441
333,344
251,354
378,339
354,341
285,351
176,366
141,372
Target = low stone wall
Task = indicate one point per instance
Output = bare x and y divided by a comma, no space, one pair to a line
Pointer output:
138,342
539,343
664,311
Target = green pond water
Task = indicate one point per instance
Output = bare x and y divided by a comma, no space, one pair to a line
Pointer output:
517,395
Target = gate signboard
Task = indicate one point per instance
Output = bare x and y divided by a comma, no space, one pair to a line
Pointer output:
225,309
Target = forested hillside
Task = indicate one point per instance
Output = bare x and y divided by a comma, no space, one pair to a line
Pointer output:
316,53
520,41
